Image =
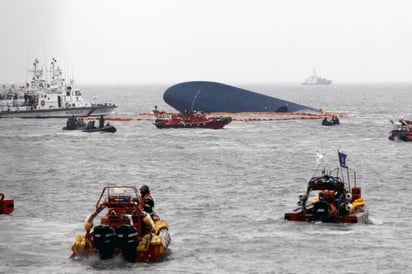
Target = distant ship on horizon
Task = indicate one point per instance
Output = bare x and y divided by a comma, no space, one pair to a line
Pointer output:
316,80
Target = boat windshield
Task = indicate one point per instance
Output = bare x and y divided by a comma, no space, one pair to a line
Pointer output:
118,194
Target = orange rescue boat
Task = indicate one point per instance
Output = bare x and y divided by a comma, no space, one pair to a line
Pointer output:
124,230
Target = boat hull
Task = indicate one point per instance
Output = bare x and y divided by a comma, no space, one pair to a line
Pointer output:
359,216
217,123
216,97
110,129
103,109
57,113
149,249
325,82
400,135
329,123
6,205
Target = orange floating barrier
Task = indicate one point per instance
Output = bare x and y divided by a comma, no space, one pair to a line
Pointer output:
236,116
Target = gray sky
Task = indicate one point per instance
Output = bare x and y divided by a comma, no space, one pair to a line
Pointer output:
152,41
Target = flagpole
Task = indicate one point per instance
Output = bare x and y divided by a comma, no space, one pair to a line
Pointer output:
340,168
319,158
342,164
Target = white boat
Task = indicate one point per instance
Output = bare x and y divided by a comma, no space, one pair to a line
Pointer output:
316,80
48,99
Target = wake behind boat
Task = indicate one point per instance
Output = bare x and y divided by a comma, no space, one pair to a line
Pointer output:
48,99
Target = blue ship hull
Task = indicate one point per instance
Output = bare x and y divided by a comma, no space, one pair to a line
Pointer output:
217,97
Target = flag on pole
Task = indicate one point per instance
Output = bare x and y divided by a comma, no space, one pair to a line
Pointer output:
342,159
319,158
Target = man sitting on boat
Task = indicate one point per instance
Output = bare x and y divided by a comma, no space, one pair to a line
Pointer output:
147,201
335,119
147,204
90,125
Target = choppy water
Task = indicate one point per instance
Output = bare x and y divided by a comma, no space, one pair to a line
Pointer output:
223,192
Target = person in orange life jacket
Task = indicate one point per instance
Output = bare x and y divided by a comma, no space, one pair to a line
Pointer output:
147,202
147,205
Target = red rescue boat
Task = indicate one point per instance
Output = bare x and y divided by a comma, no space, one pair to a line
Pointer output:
331,199
124,230
402,130
192,120
6,205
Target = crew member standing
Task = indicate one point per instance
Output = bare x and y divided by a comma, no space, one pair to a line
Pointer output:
147,204
101,121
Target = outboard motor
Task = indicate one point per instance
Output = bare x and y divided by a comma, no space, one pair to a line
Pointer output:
127,241
104,239
159,121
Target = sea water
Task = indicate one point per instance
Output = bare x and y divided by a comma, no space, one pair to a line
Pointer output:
223,192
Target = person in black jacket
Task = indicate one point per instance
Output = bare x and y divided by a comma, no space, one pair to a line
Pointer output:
101,121
320,209
147,201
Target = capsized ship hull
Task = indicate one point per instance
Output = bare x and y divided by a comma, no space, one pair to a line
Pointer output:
217,97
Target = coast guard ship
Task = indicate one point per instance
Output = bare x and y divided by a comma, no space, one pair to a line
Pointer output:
48,99
316,80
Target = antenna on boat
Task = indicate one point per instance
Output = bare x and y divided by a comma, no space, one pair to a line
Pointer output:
27,65
319,158
45,62
72,78
194,99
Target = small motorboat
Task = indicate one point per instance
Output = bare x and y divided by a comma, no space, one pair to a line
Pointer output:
124,230
314,79
401,131
335,199
192,120
74,123
6,205
333,122
106,128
